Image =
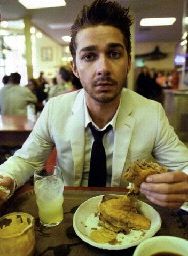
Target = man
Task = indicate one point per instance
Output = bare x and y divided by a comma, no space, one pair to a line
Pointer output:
15,98
101,50
5,80
64,84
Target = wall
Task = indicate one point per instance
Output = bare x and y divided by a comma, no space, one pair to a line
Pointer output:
166,47
48,56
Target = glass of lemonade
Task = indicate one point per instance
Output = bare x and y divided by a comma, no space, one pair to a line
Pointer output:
49,189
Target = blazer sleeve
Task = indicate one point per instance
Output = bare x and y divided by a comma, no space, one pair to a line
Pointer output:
168,149
33,153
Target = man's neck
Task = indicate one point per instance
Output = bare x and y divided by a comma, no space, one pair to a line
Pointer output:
101,114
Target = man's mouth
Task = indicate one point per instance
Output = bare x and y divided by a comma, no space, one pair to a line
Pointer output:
104,84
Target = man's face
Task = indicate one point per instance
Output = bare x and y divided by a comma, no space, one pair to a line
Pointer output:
101,63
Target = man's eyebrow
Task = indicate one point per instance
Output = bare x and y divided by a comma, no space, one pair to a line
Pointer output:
88,48
94,48
116,45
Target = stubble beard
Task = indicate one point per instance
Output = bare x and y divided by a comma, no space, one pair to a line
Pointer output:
103,97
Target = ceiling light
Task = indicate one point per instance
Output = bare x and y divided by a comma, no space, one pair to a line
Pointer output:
32,30
39,35
157,21
37,4
60,25
67,39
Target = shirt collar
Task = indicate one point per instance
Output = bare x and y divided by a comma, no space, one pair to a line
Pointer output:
89,120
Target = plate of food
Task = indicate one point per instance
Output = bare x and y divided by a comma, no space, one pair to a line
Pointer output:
115,222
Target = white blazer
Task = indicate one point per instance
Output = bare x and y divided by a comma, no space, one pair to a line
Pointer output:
142,131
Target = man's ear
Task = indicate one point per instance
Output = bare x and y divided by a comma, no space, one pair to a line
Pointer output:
74,69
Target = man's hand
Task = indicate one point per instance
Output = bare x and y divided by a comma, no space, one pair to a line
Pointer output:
166,189
6,188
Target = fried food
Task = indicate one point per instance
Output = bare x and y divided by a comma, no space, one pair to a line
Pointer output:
121,214
103,235
138,172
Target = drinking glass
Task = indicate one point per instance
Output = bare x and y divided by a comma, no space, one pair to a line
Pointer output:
17,234
49,189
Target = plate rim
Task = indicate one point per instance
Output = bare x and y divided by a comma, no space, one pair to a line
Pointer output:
107,246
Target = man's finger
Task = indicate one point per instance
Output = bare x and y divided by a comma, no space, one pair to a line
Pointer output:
164,203
168,177
164,188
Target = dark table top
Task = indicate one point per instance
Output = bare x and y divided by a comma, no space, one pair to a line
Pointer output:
62,240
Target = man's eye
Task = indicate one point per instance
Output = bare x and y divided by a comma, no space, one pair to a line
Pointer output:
115,54
89,57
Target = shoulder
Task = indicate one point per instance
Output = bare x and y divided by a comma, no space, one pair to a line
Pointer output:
139,105
65,97
66,101
137,99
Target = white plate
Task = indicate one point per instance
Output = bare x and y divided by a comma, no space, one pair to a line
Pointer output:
85,219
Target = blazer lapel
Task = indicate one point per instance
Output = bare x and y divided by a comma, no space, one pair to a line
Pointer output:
77,137
123,133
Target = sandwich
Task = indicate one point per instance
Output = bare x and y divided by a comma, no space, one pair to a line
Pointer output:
138,172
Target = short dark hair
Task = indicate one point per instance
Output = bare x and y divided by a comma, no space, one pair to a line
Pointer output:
102,12
65,74
6,79
15,78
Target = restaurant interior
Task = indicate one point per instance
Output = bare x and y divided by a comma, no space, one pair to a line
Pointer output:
42,46
34,43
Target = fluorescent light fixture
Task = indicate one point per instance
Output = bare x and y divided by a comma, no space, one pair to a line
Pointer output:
60,25
38,4
67,39
157,21
179,60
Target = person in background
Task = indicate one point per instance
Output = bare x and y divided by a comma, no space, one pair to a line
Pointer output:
41,80
64,83
54,81
162,79
32,85
15,98
6,80
101,50
173,79
147,86
41,93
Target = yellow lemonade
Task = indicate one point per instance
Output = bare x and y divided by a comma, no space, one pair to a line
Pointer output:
51,212
49,198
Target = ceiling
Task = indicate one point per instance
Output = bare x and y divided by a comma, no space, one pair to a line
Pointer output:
64,16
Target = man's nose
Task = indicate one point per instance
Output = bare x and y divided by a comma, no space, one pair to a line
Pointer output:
103,66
